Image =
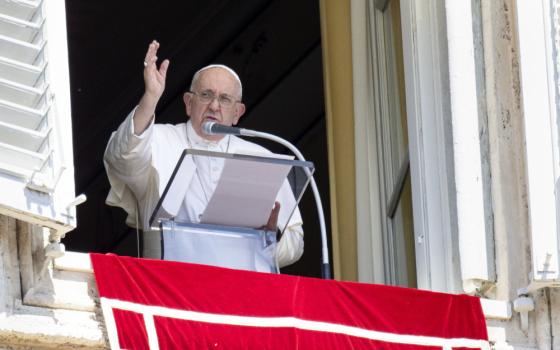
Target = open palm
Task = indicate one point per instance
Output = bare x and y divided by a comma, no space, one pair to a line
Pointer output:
154,78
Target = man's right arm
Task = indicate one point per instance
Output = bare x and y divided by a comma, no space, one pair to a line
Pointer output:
128,152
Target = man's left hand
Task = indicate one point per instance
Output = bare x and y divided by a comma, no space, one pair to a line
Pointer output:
272,223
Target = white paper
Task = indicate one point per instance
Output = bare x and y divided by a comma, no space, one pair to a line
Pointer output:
245,194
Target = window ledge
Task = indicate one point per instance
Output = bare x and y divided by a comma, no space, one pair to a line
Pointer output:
38,327
496,309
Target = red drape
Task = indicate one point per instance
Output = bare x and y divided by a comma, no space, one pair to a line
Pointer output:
192,306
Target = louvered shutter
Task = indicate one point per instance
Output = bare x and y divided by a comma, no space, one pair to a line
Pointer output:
36,164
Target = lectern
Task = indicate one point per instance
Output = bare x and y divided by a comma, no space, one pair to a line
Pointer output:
230,231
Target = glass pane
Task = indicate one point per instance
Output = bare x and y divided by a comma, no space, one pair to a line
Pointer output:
395,92
399,255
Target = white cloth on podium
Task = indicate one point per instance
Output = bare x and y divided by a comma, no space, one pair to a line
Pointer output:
139,167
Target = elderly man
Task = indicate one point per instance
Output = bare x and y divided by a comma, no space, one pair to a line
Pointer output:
140,155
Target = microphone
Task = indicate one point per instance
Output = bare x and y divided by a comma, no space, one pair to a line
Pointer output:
213,128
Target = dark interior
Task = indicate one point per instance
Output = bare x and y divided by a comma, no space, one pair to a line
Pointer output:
274,46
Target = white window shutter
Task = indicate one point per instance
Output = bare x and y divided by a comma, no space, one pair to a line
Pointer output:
541,139
36,160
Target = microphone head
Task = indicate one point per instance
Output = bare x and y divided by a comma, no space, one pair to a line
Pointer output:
214,128
207,127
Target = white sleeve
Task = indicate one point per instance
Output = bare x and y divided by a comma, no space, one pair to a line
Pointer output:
127,162
290,247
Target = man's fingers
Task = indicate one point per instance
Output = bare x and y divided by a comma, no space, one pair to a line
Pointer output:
151,54
163,68
151,60
272,223
154,77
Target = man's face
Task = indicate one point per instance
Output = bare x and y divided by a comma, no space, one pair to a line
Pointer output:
218,82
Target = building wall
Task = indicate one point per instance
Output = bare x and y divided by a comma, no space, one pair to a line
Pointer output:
501,98
500,101
45,305
505,129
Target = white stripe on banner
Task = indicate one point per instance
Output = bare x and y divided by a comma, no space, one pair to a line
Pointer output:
110,324
272,322
151,330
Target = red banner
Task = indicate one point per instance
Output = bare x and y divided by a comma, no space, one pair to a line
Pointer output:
152,304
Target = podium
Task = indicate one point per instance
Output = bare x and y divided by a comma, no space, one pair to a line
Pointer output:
225,227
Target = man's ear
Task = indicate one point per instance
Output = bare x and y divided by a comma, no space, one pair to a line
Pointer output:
187,99
239,111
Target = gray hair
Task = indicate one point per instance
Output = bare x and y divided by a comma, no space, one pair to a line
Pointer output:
196,76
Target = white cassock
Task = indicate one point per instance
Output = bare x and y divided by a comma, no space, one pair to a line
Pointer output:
139,167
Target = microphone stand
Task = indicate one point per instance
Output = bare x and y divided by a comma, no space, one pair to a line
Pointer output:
326,269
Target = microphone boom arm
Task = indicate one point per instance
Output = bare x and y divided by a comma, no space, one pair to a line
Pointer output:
326,269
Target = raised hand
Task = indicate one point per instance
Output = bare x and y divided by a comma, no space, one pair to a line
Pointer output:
154,78
154,85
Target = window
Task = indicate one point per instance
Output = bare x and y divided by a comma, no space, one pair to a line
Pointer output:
398,148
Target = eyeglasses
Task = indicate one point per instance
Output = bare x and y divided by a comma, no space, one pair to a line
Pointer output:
207,96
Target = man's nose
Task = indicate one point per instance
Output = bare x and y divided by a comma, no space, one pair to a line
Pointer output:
214,104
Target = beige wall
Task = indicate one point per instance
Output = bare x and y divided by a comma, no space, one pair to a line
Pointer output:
337,67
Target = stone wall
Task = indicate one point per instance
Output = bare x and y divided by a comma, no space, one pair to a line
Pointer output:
509,183
45,304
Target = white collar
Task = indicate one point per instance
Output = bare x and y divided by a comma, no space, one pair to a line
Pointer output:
199,142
